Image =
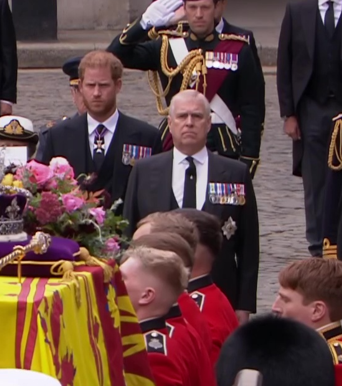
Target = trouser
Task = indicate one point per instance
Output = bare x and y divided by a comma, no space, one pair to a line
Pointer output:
315,121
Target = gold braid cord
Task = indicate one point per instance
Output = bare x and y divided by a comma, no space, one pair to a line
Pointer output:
193,61
335,148
329,250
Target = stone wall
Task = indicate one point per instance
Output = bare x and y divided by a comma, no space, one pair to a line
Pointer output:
114,14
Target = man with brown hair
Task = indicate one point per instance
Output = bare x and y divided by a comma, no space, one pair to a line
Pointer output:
169,231
154,280
214,306
311,292
104,140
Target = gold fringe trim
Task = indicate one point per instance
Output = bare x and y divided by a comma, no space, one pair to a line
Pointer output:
239,38
335,148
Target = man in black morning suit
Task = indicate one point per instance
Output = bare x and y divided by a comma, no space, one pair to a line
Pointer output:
103,141
206,181
309,78
8,60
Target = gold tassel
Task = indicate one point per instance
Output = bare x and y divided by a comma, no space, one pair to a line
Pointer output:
92,261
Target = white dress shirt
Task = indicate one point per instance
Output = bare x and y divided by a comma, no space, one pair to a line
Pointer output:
179,166
219,27
110,125
323,7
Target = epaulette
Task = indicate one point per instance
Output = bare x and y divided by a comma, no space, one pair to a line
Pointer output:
329,250
173,33
335,347
239,38
199,298
155,342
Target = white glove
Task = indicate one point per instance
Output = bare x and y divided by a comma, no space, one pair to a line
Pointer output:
159,13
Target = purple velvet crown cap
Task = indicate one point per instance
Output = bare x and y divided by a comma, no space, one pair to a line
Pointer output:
59,249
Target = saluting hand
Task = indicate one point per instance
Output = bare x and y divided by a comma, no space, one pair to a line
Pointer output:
159,13
291,128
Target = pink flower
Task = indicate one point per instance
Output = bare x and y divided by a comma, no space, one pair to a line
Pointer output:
112,246
50,208
40,173
72,202
61,168
99,214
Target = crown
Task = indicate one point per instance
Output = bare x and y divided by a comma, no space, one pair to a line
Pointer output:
12,207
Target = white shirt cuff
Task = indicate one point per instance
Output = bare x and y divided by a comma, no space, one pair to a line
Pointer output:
7,102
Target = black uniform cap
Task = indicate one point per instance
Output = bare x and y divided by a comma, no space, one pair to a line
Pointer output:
285,352
70,68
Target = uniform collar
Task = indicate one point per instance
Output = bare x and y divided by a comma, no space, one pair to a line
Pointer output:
110,123
152,324
199,282
200,156
209,38
331,331
174,312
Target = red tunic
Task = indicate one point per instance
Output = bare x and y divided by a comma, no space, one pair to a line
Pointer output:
193,316
216,309
157,341
190,351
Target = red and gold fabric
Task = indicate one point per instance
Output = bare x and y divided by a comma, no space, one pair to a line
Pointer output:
82,332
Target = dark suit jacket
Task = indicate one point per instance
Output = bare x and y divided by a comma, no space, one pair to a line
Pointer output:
8,55
69,139
232,29
295,62
149,190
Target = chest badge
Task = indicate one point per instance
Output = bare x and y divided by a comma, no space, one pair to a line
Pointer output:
229,228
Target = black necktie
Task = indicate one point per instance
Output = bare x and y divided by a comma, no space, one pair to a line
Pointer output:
99,146
189,196
329,20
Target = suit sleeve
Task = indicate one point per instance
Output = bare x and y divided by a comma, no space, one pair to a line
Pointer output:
260,76
9,60
41,146
132,49
249,96
248,251
48,151
130,209
284,64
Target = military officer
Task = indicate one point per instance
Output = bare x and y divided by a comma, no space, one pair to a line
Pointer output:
332,219
69,68
221,66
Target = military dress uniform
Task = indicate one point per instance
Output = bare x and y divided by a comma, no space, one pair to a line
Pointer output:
191,353
332,333
216,309
157,340
221,66
193,316
332,218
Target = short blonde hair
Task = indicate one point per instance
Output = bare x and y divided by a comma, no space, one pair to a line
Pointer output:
165,265
101,59
172,222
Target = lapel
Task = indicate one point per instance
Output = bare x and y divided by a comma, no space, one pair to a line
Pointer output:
78,145
216,173
161,182
308,18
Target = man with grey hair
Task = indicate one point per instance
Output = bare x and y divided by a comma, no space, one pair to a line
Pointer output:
190,176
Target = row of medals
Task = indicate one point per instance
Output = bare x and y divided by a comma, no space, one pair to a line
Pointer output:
222,60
